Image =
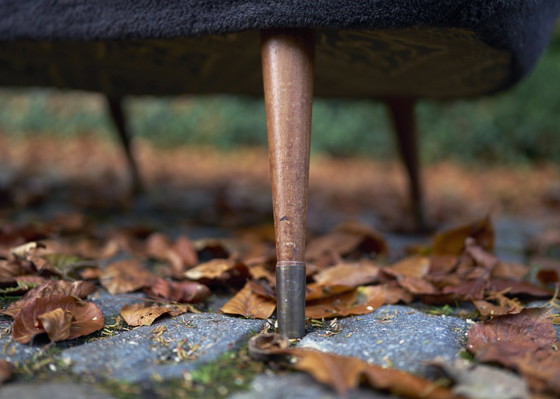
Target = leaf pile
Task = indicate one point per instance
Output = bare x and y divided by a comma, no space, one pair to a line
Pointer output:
347,276
57,265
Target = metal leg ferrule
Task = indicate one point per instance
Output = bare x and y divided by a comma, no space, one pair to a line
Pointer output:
290,294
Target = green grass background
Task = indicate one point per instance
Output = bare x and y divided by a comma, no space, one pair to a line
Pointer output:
519,126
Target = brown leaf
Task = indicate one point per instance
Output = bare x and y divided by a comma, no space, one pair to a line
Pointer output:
181,255
5,371
249,304
184,247
468,290
490,309
220,271
57,323
348,274
518,288
362,300
315,291
523,342
510,271
414,266
25,250
144,315
411,273
125,276
347,240
78,289
452,242
263,347
344,373
86,318
11,269
184,291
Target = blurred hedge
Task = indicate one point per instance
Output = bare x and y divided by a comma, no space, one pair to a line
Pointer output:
518,126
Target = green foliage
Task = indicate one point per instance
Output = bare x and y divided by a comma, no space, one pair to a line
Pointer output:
518,126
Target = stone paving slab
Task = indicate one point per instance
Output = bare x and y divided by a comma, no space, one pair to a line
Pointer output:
10,350
394,336
51,390
187,342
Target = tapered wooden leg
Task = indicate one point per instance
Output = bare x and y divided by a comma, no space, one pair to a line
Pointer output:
287,62
401,111
114,105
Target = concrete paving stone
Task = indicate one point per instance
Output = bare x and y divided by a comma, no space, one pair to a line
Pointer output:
10,350
111,305
299,386
50,390
394,336
182,344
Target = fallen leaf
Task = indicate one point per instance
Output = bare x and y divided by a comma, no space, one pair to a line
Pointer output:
523,342
144,315
512,287
510,271
65,265
249,304
263,347
125,276
11,269
5,371
502,305
24,250
359,301
78,289
180,254
183,291
350,240
57,323
315,291
411,275
184,247
210,248
220,272
348,274
452,242
86,318
344,373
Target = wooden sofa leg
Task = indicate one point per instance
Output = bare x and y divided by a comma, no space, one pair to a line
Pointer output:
401,111
114,105
287,63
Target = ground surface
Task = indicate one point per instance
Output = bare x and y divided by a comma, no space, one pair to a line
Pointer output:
203,194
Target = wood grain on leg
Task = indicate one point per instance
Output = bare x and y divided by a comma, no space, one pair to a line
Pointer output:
401,111
114,105
287,62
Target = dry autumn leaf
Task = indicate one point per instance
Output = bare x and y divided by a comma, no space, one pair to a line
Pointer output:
411,275
348,274
144,315
362,300
57,323
523,342
452,242
221,272
85,319
180,254
249,304
125,276
5,371
348,240
78,289
344,373
183,291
